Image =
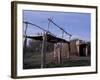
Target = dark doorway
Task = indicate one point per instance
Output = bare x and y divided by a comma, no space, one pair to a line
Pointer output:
82,50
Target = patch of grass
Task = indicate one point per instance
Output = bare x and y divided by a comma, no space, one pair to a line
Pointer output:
33,61
69,63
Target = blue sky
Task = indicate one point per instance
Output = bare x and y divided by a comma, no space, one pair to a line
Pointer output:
77,24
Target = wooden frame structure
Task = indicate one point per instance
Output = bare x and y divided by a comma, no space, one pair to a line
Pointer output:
46,37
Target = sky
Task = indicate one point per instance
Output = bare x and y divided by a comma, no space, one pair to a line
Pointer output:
77,24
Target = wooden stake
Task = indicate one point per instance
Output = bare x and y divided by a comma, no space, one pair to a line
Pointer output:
59,52
25,41
69,50
43,51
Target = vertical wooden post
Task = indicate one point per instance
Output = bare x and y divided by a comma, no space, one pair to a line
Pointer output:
86,50
60,50
69,50
69,46
26,28
25,41
78,49
55,55
58,53
48,25
24,44
43,51
62,34
49,22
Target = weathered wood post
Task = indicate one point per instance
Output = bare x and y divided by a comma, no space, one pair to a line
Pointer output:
86,50
55,53
59,50
25,41
69,47
69,50
78,47
43,51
